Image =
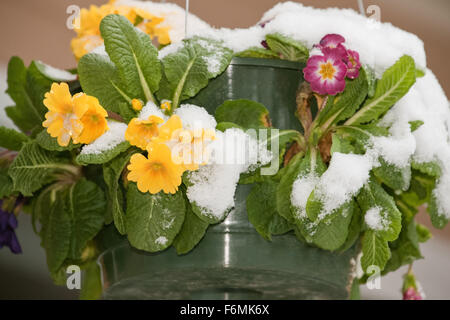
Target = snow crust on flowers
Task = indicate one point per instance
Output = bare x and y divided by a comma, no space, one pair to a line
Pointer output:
151,109
214,184
174,17
58,74
375,220
195,117
379,44
108,140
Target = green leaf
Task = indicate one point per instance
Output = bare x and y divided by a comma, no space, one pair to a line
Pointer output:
134,55
395,83
222,126
6,183
35,167
415,125
86,205
340,145
394,177
104,156
375,251
405,249
346,103
420,73
371,196
332,231
188,70
262,210
112,172
245,113
153,220
191,232
257,52
431,169
91,286
438,218
56,232
287,48
26,87
49,143
12,139
354,229
54,74
100,78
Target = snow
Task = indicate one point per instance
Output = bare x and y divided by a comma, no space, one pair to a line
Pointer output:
195,117
375,219
107,141
100,50
379,44
161,240
303,187
232,153
57,74
151,109
345,176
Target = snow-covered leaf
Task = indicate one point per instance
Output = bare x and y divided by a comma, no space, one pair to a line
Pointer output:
287,48
188,70
104,156
257,52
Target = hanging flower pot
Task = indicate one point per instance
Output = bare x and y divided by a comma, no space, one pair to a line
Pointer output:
283,161
233,261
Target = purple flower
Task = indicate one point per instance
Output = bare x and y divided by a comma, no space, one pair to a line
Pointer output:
353,64
333,44
326,74
264,44
8,223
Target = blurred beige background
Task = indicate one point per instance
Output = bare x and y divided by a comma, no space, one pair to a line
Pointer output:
37,30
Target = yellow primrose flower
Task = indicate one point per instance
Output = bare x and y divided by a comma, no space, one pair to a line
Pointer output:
157,172
63,118
136,104
167,130
166,105
140,132
93,120
88,30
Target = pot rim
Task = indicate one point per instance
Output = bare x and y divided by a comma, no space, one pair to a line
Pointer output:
273,63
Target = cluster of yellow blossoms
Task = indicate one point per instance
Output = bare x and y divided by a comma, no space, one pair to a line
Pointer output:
88,26
79,117
171,151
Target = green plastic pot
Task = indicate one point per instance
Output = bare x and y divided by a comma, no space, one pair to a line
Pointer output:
233,261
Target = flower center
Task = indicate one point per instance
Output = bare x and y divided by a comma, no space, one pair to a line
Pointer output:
156,166
327,70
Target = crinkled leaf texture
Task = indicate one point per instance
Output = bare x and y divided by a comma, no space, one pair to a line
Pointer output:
153,220
191,232
11,139
394,84
188,70
134,55
49,143
262,210
103,156
35,167
112,172
245,113
287,48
